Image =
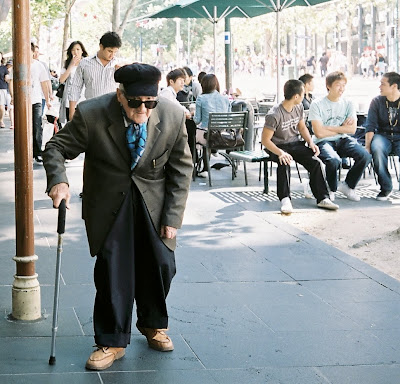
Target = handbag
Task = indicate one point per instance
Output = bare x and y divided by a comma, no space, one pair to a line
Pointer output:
60,91
228,138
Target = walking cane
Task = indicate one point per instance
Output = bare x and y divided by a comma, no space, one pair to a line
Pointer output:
60,231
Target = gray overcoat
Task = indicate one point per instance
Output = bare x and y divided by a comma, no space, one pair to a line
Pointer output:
162,175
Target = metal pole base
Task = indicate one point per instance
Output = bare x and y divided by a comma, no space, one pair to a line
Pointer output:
26,298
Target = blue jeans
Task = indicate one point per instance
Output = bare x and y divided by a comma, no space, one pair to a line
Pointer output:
332,153
381,147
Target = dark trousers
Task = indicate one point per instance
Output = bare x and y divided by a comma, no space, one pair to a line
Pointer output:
133,263
37,129
304,156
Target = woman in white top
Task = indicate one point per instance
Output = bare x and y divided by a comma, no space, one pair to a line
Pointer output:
75,52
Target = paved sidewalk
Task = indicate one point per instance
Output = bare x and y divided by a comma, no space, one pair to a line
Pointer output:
254,300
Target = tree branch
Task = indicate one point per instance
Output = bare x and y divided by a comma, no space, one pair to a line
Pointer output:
128,12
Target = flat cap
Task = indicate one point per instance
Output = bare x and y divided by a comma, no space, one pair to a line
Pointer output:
139,79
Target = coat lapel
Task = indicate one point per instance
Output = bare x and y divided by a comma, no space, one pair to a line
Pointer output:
117,131
152,135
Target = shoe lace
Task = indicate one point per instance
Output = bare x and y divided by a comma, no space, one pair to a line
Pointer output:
100,347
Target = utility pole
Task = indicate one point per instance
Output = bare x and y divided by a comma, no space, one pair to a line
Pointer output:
228,55
25,289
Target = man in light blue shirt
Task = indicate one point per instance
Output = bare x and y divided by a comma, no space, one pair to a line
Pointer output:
333,120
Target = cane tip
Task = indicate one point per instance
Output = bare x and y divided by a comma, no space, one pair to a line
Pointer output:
52,360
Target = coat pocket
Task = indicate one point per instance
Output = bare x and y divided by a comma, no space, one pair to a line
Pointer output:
160,161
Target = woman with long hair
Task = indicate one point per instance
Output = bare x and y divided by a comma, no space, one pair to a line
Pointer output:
209,101
75,52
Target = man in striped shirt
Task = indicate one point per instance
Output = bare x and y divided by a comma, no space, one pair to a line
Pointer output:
96,72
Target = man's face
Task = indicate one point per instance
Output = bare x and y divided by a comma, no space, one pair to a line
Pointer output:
385,88
310,85
36,53
108,53
178,84
137,115
337,88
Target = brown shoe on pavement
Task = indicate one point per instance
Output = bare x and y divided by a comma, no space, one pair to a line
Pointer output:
104,357
157,339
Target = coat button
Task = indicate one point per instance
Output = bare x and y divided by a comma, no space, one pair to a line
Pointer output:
123,193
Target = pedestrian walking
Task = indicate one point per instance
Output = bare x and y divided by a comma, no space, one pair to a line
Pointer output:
75,53
137,174
96,73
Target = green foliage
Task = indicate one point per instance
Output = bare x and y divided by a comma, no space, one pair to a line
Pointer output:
6,35
44,12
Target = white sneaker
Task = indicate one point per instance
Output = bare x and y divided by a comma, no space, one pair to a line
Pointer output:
307,191
327,204
332,196
286,206
203,174
348,192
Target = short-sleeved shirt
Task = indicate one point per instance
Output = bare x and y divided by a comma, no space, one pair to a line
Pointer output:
284,123
38,76
3,73
331,113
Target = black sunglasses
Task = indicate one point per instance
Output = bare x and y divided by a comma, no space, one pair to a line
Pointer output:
136,103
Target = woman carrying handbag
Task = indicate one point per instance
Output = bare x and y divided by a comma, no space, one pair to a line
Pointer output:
75,52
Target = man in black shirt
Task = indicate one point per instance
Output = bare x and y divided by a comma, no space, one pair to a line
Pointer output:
383,130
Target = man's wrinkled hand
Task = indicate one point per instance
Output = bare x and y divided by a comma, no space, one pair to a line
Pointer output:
58,193
168,232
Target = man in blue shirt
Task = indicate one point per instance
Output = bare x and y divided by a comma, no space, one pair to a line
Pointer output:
383,130
333,119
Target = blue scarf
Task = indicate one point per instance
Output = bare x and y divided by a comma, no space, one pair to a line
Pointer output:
136,136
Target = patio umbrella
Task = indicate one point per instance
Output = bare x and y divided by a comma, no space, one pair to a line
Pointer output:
215,10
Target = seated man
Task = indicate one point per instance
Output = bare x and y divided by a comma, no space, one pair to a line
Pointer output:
333,119
382,135
283,125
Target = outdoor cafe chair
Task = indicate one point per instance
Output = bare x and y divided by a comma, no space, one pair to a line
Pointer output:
220,122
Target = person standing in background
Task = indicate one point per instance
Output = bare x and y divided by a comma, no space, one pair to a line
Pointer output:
75,52
3,90
39,79
96,72
49,90
323,63
10,94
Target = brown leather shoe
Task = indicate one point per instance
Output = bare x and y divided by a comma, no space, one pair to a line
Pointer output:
157,339
103,357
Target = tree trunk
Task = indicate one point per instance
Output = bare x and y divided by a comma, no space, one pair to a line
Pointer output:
68,6
121,27
116,15
349,39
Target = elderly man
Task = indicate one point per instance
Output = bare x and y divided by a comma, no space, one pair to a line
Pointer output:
382,135
136,180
